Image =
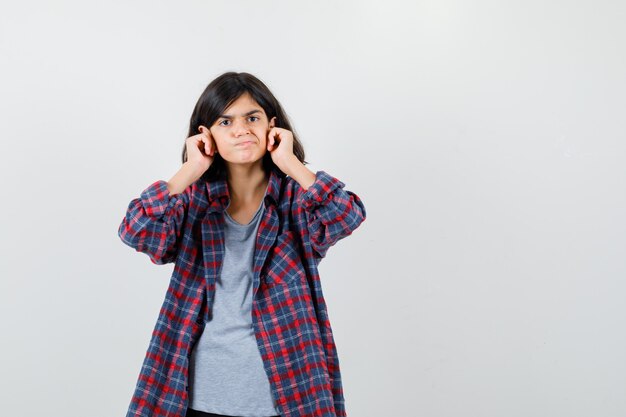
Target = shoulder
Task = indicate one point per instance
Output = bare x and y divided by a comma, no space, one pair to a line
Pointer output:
198,195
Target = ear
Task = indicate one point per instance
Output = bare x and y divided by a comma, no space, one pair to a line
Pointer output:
272,122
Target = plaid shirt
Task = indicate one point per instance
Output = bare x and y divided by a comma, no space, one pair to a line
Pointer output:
289,314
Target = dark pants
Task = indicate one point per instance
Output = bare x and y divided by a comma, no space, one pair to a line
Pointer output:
195,413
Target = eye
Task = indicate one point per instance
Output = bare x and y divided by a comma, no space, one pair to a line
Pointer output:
226,120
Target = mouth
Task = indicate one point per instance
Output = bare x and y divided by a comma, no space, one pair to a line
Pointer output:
245,143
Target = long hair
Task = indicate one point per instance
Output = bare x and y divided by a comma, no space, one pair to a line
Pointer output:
217,96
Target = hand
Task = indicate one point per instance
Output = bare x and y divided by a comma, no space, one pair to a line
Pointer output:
201,148
280,147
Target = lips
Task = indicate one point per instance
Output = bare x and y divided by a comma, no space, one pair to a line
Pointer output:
244,142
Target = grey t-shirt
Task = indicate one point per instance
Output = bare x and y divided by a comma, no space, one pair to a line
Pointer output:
226,371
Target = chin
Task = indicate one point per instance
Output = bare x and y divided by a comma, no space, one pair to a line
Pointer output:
256,160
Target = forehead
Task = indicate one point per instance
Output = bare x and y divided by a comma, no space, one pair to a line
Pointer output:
244,102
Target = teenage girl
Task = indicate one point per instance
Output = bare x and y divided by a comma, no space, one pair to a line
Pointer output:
246,223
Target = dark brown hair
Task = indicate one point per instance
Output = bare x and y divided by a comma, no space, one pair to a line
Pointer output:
218,95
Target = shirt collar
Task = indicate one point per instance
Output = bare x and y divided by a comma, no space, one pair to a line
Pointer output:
219,196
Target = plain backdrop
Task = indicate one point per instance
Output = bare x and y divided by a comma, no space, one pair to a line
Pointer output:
485,138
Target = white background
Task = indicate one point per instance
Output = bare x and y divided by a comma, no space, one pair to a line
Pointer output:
485,138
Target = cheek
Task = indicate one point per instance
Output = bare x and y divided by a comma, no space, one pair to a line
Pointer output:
219,142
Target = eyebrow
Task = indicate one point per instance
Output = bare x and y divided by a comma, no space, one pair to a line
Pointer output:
227,116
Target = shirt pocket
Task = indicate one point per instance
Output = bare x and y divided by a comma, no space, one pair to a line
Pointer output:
284,265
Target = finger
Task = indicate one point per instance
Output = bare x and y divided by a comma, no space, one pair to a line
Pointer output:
207,142
207,146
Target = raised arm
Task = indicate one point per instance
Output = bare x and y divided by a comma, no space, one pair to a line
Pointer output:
332,212
154,221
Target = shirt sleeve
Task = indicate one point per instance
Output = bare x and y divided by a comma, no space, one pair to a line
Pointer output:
154,221
332,212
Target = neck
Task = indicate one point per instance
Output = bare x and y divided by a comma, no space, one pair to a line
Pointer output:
246,183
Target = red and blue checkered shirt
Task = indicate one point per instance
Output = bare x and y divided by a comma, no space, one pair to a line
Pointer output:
289,314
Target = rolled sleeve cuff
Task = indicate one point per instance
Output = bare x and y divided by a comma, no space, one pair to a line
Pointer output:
320,190
156,199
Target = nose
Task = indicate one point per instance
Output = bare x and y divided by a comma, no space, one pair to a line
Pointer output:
241,128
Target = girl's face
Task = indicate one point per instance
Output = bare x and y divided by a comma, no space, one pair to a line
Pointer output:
240,133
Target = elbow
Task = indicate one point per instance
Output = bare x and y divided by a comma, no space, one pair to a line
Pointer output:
357,214
123,232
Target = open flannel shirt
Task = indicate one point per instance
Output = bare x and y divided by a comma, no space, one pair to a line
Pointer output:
289,314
